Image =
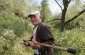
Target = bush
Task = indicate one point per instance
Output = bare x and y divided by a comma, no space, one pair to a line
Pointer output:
70,38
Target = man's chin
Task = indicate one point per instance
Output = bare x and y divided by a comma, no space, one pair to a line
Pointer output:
34,24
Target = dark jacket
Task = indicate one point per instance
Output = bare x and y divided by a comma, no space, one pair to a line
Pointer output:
44,35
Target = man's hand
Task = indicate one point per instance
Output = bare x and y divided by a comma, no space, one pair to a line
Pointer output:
34,45
31,43
25,42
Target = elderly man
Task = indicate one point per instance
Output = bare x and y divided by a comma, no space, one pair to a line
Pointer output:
42,34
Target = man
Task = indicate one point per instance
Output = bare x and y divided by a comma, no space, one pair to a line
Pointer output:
42,34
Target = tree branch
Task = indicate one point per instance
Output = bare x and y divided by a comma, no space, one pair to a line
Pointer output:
59,4
75,17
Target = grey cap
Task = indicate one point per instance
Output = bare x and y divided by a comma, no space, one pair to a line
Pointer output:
34,13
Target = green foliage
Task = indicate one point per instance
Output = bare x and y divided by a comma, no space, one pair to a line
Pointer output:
71,12
45,11
70,39
74,34
7,42
20,26
14,28
78,22
20,8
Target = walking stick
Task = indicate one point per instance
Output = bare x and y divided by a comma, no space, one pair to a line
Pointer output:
69,50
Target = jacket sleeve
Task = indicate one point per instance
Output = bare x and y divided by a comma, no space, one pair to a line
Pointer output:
47,36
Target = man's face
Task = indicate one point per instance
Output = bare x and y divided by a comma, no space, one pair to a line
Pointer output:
35,19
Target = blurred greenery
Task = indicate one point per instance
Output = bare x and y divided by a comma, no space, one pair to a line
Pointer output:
45,11
14,27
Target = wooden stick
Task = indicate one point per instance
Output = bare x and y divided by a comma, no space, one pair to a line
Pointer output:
51,46
70,50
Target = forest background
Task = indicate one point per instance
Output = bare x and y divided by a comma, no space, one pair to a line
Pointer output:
67,23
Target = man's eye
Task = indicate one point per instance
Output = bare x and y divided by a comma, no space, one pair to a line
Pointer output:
34,16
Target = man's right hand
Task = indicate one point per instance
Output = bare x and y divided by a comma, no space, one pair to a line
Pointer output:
26,42
31,44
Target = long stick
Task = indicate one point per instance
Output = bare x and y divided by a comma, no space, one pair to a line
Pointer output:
70,50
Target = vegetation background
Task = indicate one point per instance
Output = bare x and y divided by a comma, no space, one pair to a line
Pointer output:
14,25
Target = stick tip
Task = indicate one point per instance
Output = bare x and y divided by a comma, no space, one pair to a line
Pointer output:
71,50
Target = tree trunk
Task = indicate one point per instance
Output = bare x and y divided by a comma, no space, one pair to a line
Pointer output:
63,19
65,3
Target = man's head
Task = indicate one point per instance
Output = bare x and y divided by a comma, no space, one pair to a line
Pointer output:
35,17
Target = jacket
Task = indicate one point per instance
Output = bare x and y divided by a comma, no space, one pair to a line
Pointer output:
44,35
